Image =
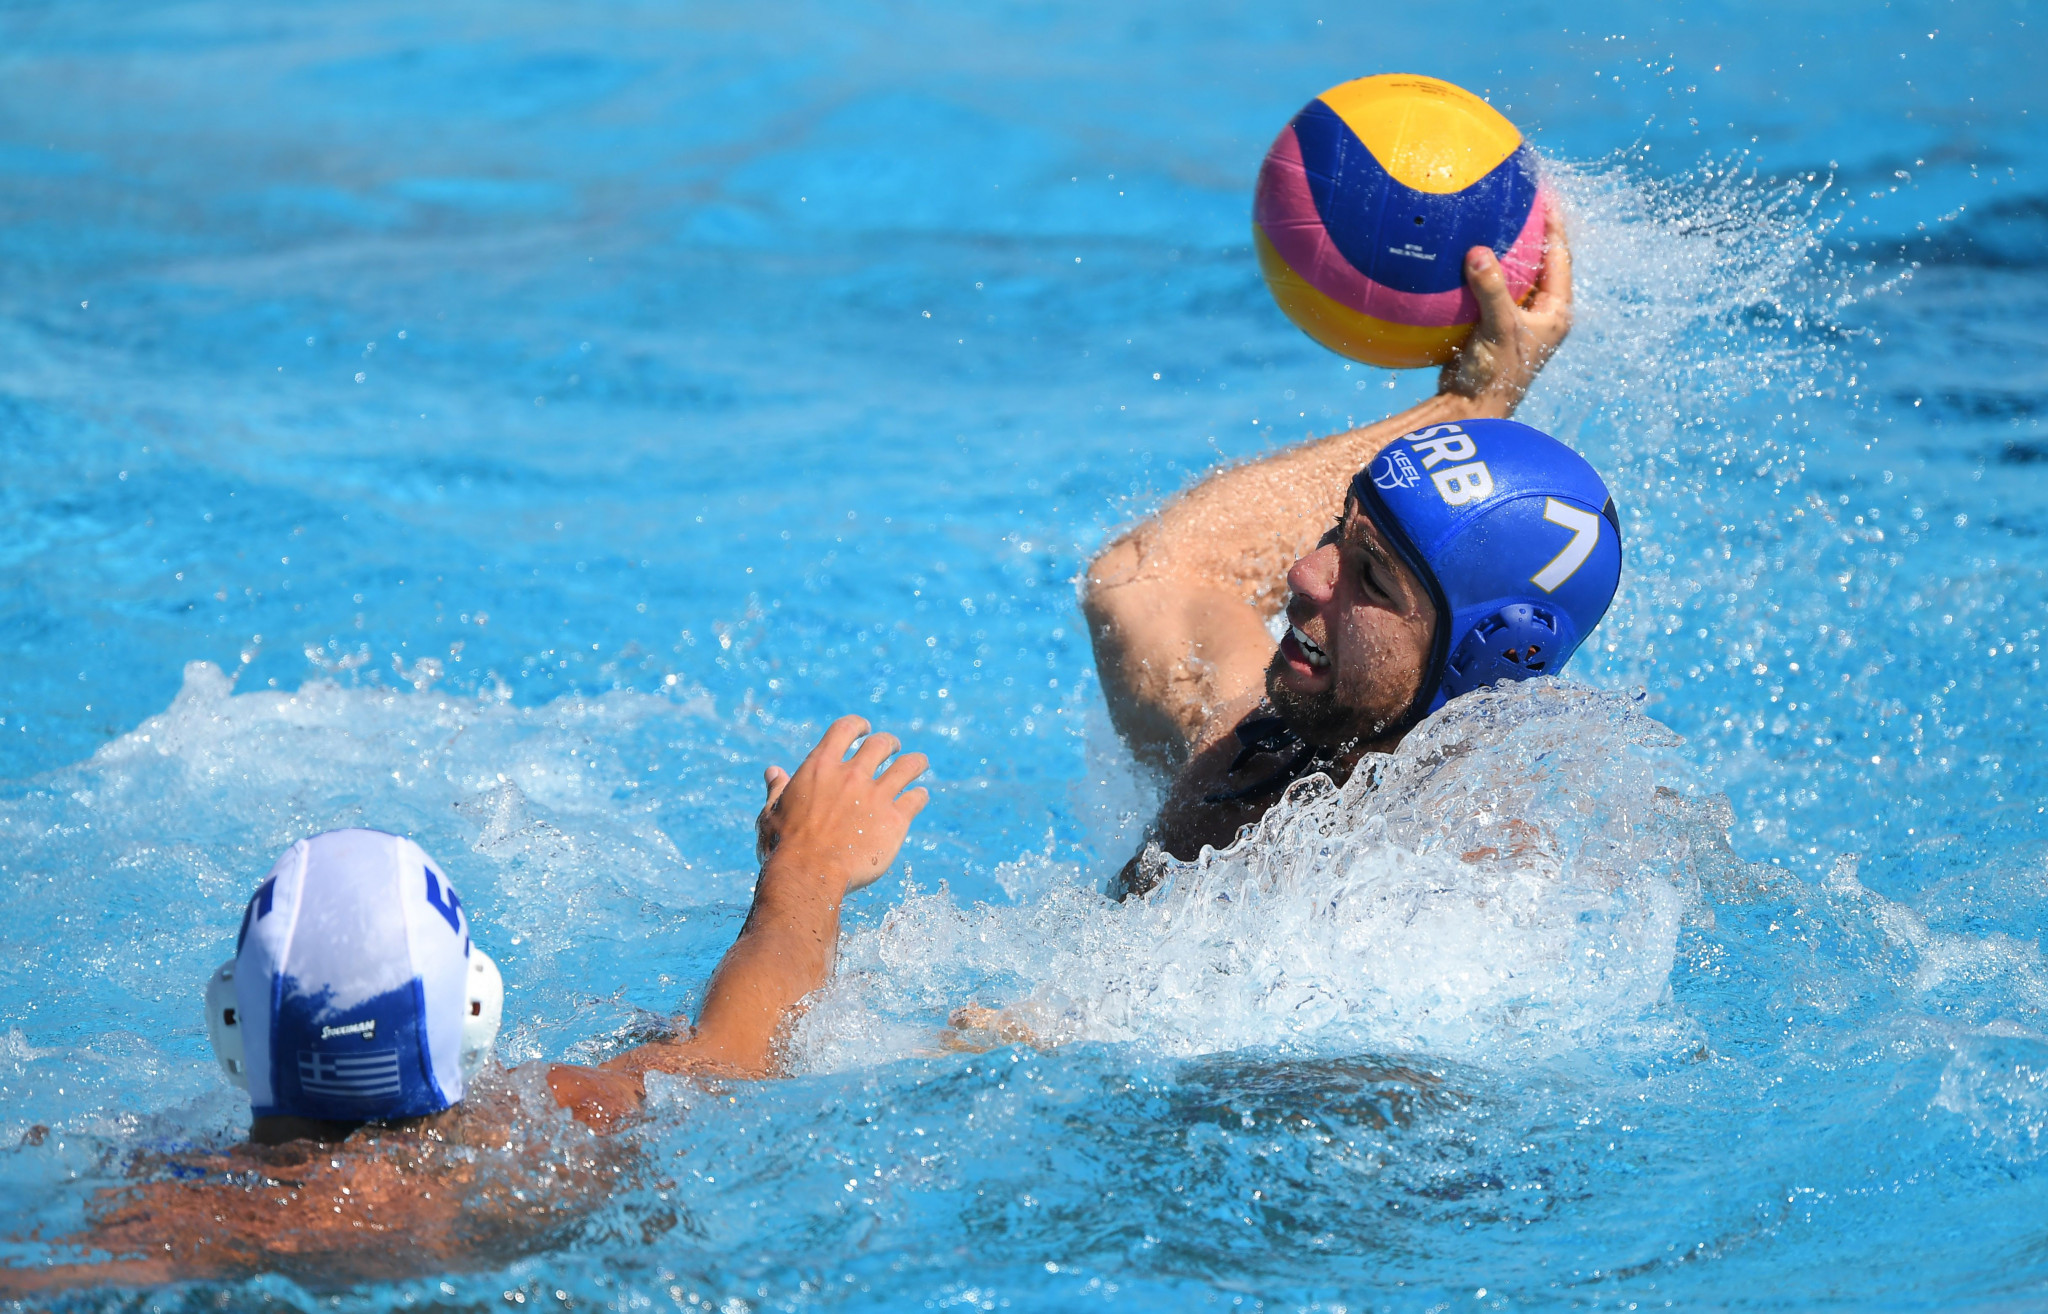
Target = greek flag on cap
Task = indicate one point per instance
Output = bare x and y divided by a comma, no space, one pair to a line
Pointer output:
351,977
1513,534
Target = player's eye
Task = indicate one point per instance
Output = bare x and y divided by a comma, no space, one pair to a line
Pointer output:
1370,574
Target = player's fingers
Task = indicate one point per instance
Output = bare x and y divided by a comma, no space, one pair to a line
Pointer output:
874,751
776,780
1554,283
1490,287
838,737
913,802
901,772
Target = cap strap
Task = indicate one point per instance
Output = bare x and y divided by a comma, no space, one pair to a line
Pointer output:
1367,494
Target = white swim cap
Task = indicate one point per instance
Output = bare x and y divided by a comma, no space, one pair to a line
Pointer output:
355,992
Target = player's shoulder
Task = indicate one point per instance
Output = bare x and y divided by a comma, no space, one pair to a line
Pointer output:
1199,805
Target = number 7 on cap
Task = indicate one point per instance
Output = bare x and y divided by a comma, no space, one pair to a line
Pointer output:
1585,527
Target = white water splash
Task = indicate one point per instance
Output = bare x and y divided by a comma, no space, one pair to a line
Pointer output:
129,869
1512,880
1996,1080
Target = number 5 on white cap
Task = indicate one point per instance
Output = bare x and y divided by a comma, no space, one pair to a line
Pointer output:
1585,527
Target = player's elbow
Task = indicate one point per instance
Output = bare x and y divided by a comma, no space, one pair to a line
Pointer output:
1111,576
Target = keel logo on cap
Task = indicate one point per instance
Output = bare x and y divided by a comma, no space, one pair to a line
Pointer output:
1395,470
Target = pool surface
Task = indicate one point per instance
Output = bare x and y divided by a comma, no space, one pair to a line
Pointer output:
516,425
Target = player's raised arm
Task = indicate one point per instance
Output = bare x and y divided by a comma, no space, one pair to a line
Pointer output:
1177,605
833,826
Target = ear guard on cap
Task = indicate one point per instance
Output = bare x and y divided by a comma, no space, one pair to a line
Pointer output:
1520,640
224,1023
483,1009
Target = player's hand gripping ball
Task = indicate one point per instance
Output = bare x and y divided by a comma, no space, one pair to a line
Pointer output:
1368,202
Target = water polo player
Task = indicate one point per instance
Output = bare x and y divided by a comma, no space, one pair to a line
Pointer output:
358,1014
1473,549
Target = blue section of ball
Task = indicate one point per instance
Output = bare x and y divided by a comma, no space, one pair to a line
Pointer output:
1401,238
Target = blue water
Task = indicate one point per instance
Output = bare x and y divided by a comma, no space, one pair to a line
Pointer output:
513,425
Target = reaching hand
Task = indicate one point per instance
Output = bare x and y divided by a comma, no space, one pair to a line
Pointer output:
1509,344
837,815
834,826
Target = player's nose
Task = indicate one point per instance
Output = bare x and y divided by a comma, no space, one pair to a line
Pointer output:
1313,578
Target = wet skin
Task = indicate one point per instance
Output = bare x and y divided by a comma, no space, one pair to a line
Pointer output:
1360,626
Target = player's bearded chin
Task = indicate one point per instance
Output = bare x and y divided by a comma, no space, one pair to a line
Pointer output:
1323,718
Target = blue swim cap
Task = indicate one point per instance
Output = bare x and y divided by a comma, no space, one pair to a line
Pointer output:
1513,534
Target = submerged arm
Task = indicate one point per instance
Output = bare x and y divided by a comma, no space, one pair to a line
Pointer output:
1177,606
833,826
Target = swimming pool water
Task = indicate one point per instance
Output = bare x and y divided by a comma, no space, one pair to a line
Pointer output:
515,424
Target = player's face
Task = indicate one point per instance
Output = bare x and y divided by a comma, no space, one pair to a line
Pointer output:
1360,628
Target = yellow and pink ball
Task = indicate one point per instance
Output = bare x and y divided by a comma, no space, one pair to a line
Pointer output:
1370,199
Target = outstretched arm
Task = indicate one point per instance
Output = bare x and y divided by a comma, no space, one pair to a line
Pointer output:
833,826
1177,606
